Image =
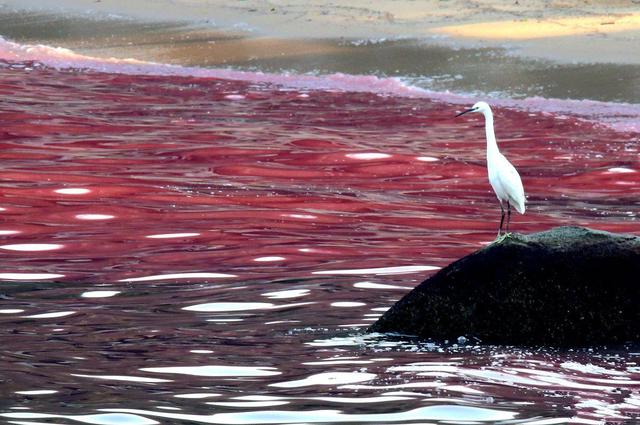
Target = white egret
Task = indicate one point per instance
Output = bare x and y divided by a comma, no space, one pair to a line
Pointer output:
503,176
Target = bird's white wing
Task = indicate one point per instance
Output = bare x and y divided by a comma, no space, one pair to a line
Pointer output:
512,184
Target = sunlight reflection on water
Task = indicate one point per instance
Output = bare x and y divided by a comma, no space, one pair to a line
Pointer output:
99,294
215,370
380,270
73,191
98,419
234,240
32,247
30,276
51,315
173,276
436,413
239,306
330,378
124,378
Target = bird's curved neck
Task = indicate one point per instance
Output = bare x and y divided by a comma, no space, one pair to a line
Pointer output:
492,145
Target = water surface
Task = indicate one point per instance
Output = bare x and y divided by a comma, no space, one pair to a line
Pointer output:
190,250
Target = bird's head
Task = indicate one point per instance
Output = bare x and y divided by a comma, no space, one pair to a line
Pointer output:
481,107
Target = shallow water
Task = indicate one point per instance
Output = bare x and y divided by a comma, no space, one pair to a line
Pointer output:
432,63
199,250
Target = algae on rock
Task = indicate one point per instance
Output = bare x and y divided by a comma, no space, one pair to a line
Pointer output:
569,286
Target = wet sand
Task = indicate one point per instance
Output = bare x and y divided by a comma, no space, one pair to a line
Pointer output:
561,30
578,50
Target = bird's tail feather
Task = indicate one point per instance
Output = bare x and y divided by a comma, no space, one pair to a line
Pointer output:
520,207
517,204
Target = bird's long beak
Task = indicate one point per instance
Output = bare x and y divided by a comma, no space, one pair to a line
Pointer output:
464,112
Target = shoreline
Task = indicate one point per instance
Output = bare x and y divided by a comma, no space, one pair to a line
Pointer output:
437,64
617,116
446,67
566,32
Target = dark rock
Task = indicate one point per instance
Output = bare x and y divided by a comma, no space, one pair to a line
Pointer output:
568,287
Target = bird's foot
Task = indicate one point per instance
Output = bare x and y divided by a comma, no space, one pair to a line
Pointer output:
502,237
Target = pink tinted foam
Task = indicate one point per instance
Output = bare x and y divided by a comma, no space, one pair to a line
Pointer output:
618,116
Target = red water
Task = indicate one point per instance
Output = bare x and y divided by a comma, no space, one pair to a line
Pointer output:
257,208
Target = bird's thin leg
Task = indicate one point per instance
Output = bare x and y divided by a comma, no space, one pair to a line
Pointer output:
508,215
501,219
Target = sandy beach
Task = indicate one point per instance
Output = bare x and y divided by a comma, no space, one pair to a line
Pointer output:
551,49
562,30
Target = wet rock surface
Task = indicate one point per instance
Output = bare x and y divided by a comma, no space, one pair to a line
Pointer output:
569,287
